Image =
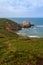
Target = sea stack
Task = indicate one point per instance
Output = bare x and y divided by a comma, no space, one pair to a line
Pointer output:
26,24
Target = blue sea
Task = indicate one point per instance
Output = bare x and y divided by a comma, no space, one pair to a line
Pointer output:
36,31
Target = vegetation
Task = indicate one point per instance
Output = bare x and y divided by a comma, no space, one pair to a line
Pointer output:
18,50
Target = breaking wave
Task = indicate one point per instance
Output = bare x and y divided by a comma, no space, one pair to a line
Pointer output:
32,32
39,26
31,36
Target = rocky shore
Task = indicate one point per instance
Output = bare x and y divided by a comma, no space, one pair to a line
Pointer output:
10,25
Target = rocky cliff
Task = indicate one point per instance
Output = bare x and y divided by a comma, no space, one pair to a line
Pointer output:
9,25
13,26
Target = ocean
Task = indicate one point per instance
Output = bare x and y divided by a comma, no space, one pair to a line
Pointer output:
36,31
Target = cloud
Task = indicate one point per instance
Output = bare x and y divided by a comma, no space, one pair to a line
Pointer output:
20,7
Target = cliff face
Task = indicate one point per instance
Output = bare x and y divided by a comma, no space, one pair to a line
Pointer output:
12,26
9,25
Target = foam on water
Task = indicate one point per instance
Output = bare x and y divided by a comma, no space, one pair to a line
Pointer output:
34,36
31,32
39,26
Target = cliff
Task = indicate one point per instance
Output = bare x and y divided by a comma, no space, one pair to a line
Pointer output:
12,25
9,25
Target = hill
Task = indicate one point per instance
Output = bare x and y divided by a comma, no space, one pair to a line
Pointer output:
8,28
9,25
18,50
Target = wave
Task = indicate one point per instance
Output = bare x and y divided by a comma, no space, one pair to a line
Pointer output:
32,32
19,33
39,26
34,36
31,36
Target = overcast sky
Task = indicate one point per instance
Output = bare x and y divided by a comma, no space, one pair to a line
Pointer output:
21,8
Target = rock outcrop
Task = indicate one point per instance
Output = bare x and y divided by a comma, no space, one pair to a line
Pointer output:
12,26
26,24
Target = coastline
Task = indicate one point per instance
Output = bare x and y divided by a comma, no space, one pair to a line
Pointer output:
30,36
34,32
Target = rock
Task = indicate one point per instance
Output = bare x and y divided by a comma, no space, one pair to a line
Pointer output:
26,24
12,26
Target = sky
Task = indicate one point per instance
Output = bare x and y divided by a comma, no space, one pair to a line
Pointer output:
21,8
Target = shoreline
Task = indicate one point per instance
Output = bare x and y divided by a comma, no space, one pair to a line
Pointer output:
31,36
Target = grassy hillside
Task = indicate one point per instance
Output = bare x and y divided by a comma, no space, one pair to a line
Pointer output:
18,50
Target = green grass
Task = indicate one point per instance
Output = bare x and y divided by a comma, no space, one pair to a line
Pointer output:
18,50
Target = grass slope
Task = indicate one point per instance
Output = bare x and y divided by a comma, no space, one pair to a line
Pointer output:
18,50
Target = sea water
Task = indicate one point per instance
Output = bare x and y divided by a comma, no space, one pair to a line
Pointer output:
36,31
